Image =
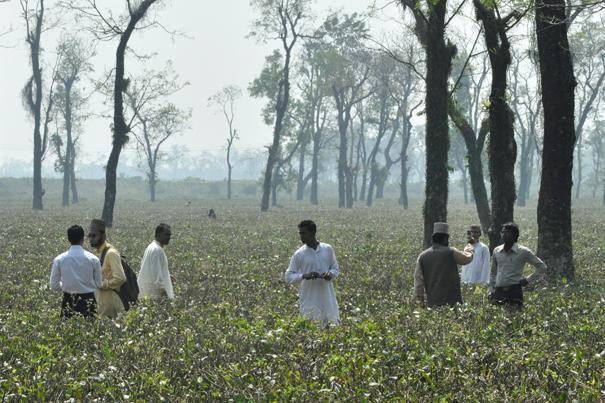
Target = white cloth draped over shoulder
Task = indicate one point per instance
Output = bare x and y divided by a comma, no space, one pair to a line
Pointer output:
317,298
477,271
154,278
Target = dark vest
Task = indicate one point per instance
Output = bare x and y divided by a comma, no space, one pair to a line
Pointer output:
441,278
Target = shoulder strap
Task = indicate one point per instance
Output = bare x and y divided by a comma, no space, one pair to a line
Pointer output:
102,258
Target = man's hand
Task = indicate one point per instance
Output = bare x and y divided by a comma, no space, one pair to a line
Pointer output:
173,279
326,276
523,282
310,276
469,248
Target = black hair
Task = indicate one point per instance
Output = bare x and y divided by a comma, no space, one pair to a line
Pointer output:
514,228
441,239
308,224
161,228
98,224
75,234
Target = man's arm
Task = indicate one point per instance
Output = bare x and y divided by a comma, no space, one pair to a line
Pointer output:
333,270
96,273
55,276
292,275
117,276
466,256
539,265
419,290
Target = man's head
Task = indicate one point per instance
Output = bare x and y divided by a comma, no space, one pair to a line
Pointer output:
441,233
307,230
163,234
96,234
474,231
509,233
75,235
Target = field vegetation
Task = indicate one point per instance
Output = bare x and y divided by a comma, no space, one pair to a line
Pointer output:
233,331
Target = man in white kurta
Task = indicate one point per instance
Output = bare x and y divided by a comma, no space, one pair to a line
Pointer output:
477,271
312,268
154,278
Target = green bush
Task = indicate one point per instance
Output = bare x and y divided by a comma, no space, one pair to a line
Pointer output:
234,332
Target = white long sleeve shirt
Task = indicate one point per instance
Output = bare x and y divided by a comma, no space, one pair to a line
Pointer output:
477,271
154,278
317,298
76,271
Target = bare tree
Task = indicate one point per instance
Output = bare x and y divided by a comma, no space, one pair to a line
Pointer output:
74,62
104,26
154,120
33,14
225,100
281,20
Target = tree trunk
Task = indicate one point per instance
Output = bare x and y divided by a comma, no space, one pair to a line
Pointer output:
74,190
579,169
67,170
315,169
502,148
274,184
439,57
152,183
229,169
474,147
300,183
403,186
120,128
558,83
465,185
34,41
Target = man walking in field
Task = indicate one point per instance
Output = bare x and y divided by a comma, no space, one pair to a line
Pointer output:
78,274
508,260
313,267
436,278
112,272
477,271
154,278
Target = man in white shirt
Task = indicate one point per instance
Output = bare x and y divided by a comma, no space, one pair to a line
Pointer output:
78,274
154,278
312,267
477,271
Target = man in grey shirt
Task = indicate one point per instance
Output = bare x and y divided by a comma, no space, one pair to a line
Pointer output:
508,260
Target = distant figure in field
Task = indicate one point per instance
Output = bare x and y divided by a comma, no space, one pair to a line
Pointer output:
436,278
77,273
211,214
112,272
312,267
477,271
506,279
154,278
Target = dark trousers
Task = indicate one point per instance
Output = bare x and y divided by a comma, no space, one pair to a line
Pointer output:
78,304
511,295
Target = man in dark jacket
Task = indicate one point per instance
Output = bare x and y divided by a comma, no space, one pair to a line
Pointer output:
436,278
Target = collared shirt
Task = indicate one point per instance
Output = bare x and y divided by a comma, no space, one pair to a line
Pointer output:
478,270
507,266
317,298
76,271
154,278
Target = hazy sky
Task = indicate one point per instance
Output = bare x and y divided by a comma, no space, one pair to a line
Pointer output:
215,53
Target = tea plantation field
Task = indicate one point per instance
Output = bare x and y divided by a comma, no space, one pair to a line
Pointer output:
233,331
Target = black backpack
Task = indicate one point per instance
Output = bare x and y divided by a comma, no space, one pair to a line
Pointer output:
129,291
